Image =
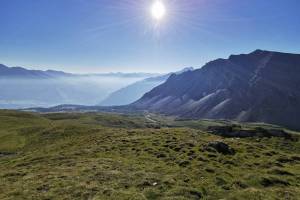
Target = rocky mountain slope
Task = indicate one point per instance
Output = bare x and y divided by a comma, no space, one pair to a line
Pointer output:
261,86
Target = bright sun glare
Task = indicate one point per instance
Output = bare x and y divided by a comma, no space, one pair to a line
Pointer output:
158,10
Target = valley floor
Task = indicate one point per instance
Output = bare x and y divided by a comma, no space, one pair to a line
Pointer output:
111,156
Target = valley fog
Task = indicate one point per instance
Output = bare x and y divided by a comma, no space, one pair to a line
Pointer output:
34,92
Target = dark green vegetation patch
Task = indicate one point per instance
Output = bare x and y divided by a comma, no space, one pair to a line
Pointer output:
110,156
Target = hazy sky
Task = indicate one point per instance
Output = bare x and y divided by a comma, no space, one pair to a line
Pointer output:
120,35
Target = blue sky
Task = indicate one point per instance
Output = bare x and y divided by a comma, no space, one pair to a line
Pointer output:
120,35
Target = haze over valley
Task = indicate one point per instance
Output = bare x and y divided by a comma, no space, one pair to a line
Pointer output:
23,88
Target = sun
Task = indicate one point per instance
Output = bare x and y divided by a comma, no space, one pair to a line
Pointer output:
158,10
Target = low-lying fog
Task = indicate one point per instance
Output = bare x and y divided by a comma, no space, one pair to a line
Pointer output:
83,90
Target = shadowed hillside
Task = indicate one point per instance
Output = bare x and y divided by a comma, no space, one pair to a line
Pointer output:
261,86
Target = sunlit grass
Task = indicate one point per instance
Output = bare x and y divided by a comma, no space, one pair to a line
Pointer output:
111,156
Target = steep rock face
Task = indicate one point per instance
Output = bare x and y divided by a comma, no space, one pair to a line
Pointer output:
261,86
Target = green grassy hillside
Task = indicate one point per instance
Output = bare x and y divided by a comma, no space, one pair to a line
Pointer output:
111,156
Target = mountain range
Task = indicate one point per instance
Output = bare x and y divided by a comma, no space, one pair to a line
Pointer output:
20,72
262,86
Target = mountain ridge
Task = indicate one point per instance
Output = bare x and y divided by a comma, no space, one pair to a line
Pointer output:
23,72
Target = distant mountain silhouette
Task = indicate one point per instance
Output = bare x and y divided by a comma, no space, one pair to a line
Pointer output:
262,86
25,73
6,71
133,92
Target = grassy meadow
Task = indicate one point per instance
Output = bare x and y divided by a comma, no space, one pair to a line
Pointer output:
112,156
